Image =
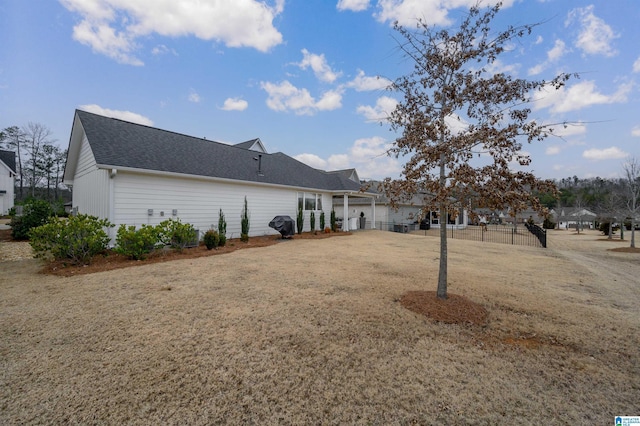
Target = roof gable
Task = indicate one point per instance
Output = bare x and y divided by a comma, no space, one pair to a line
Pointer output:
9,159
252,145
121,144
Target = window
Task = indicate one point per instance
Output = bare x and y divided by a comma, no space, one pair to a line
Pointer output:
309,201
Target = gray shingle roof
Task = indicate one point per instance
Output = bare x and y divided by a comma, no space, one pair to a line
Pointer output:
118,143
8,158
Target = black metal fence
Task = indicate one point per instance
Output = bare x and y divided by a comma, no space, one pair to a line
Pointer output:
523,235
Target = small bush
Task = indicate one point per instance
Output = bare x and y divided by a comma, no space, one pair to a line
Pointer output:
176,234
300,220
312,221
327,230
548,223
211,239
334,225
322,220
136,243
222,229
244,222
34,213
604,228
77,238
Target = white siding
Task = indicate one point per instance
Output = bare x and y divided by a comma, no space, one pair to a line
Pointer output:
198,202
90,185
6,184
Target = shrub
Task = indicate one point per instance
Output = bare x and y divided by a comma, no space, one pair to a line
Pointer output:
211,239
77,238
34,213
136,243
244,222
334,225
312,221
604,228
548,223
176,234
322,220
327,230
222,229
300,220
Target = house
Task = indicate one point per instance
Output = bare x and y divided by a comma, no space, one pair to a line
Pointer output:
134,174
410,212
7,180
569,217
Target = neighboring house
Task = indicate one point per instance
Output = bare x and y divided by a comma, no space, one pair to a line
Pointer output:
7,180
133,174
410,212
567,217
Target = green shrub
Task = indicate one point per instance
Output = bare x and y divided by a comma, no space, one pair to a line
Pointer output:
34,214
244,222
222,229
334,225
604,228
322,221
136,243
312,221
176,234
77,238
300,220
211,239
548,223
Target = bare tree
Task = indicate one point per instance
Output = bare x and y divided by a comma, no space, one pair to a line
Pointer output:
632,192
15,139
36,136
454,109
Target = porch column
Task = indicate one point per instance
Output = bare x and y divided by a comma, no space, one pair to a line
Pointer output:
345,213
373,213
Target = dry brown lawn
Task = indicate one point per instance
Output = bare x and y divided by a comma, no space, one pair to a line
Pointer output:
314,332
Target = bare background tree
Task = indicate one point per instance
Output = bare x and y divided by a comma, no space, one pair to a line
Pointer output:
632,192
456,109
39,161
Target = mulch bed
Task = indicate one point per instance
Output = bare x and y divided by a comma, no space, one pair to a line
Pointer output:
455,309
111,260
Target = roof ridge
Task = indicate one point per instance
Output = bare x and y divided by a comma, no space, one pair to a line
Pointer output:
204,139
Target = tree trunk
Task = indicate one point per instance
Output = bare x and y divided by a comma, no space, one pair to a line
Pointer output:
442,274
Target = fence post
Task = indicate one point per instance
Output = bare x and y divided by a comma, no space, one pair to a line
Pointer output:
513,235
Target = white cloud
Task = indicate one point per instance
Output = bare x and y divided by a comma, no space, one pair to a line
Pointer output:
539,40
636,65
114,113
570,129
285,96
556,52
319,65
194,97
353,5
579,96
595,36
235,104
111,27
434,12
367,155
161,49
380,112
635,131
311,160
612,153
364,83
552,150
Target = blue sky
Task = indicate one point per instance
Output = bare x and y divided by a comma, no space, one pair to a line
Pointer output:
302,75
